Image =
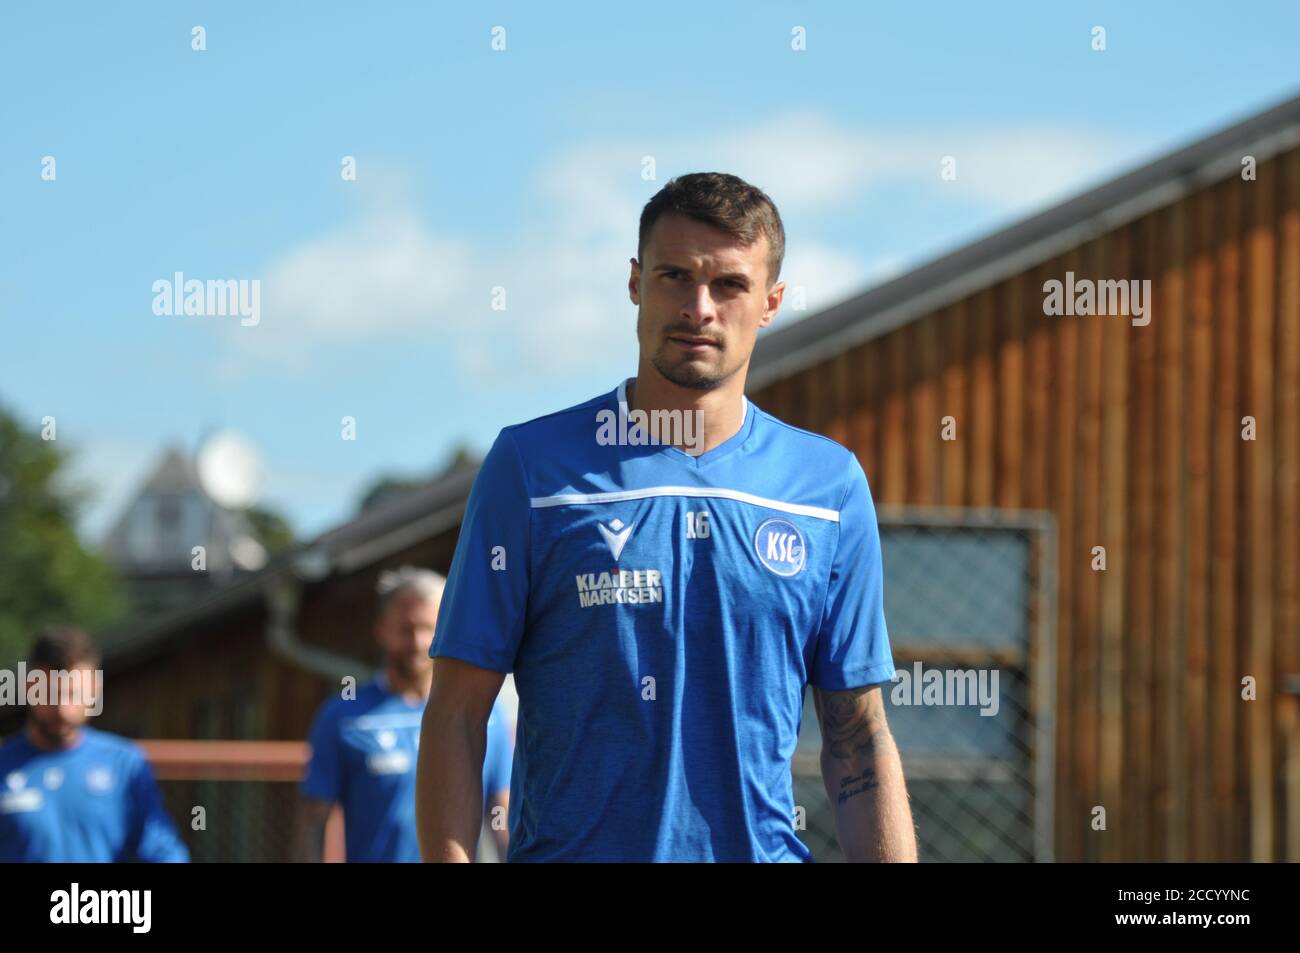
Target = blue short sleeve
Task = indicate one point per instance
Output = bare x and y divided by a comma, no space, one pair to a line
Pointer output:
498,758
324,780
156,838
484,604
853,644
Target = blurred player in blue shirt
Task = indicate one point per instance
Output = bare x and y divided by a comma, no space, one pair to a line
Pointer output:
364,749
665,569
69,793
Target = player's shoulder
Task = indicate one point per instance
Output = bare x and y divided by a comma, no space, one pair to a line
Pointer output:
368,695
549,450
95,741
578,421
12,749
806,449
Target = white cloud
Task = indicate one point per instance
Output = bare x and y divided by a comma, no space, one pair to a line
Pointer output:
808,163
381,274
389,274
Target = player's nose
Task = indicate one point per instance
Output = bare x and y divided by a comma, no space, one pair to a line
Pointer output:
701,306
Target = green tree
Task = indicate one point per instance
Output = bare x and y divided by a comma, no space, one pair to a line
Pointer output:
270,529
46,574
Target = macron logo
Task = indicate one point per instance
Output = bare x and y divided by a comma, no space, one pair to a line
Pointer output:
616,536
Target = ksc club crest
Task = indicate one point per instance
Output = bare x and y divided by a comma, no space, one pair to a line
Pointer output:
780,547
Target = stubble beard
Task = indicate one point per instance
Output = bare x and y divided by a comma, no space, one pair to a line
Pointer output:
58,735
410,667
688,375
686,372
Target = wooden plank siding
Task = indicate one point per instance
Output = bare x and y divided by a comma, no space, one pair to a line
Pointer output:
1287,560
1169,742
1116,342
1132,437
1258,477
1224,545
1199,426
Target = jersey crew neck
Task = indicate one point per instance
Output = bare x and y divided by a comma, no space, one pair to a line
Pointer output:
734,442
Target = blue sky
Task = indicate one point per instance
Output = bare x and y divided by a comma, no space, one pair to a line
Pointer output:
519,168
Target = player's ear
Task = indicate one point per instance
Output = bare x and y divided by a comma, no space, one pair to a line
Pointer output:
634,281
774,296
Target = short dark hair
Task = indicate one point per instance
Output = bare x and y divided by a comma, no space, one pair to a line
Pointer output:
63,648
724,201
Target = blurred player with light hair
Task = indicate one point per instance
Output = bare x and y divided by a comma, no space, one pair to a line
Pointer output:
363,749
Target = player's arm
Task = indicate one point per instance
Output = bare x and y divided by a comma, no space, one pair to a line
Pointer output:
449,777
155,836
863,775
323,786
480,627
309,830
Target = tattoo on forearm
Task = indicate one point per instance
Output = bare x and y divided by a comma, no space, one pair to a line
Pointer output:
854,785
850,719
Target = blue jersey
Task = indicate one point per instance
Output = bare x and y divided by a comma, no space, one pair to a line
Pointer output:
662,614
363,756
95,802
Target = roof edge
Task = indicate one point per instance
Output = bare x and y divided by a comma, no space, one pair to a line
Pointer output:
1015,248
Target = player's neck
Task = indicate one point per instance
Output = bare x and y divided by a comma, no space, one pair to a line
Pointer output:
410,687
721,411
47,742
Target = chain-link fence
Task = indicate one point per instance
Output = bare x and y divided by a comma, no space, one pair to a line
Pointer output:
233,800
242,821
969,602
238,801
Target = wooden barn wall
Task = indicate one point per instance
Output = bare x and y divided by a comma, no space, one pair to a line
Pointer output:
214,665
228,666
1132,437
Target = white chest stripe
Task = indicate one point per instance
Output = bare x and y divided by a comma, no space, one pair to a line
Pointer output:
700,492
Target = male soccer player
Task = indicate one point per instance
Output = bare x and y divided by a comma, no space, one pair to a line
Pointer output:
364,748
69,793
662,610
